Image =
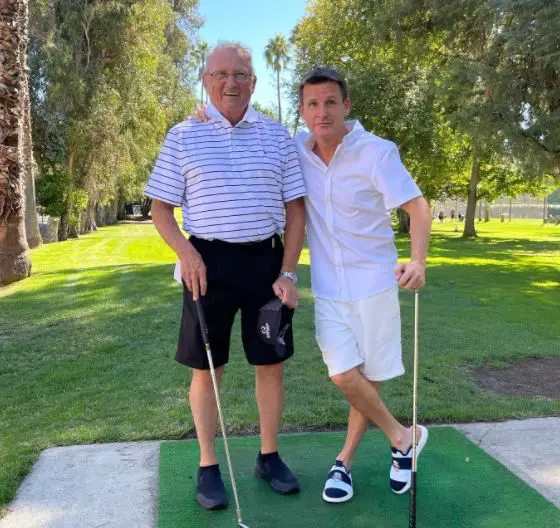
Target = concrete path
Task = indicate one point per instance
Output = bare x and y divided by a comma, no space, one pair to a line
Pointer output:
115,485
94,486
529,448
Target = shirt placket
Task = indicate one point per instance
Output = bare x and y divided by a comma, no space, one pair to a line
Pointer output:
233,140
337,249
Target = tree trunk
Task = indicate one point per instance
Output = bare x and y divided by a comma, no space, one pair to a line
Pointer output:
14,259
100,215
278,89
114,209
88,218
74,229
30,169
404,221
296,126
29,166
146,206
64,226
32,232
121,208
469,230
486,211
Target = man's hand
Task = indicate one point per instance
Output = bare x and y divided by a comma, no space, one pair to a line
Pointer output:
286,291
411,276
199,114
193,271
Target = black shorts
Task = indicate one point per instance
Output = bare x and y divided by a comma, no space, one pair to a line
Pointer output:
240,277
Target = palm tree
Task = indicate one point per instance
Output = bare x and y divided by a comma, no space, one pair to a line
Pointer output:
202,52
277,55
14,259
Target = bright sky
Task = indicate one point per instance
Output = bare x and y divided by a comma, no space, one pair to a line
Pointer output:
252,22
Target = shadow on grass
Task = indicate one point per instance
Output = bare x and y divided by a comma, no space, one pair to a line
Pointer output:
514,250
87,355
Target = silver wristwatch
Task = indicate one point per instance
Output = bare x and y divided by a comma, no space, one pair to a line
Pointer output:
290,274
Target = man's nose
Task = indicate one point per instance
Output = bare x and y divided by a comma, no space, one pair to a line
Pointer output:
231,82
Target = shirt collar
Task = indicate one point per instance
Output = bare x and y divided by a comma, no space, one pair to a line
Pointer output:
355,129
251,115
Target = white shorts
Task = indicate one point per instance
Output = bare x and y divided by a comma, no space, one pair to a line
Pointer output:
364,333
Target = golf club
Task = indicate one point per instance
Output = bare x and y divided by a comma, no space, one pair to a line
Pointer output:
412,506
204,332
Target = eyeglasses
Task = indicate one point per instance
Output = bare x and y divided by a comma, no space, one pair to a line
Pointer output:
240,77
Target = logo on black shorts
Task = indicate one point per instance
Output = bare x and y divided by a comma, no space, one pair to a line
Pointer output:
265,330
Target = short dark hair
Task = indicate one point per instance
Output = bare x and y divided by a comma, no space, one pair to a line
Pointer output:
322,75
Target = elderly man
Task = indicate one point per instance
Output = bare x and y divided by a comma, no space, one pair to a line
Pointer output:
353,179
238,181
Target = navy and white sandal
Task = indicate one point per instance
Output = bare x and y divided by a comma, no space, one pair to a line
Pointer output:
338,487
401,469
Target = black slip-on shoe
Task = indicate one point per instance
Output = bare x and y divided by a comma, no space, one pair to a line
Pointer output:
210,489
271,468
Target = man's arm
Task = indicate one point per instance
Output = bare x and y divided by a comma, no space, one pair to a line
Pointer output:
412,275
294,235
193,269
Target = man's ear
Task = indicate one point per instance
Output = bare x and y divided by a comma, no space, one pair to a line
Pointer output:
347,106
254,81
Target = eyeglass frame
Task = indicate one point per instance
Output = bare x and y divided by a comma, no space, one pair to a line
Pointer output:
245,76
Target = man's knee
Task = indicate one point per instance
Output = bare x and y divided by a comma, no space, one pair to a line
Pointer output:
271,372
203,378
346,380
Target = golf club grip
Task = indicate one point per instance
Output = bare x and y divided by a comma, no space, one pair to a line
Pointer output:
202,321
412,508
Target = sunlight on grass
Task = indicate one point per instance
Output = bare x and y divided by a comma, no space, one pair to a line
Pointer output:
546,284
87,343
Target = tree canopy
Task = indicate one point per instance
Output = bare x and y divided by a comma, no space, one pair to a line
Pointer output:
469,91
107,80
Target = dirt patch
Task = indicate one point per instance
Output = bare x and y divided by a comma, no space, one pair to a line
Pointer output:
533,378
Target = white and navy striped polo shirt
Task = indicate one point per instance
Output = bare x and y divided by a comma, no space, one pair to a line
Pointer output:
232,182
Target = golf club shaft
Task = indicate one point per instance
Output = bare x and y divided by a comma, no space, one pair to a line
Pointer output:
204,332
412,507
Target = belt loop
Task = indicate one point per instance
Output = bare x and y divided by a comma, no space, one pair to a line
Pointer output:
273,241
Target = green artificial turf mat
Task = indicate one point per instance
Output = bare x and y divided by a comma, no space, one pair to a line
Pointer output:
459,486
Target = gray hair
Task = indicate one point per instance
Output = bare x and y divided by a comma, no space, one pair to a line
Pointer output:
232,45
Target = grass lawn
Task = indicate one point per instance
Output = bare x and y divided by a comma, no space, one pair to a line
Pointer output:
87,343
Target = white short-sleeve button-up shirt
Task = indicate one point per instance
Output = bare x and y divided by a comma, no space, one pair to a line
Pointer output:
351,241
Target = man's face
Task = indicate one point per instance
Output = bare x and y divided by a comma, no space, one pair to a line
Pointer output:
323,110
231,97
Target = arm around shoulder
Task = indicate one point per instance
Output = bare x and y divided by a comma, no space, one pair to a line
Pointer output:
294,233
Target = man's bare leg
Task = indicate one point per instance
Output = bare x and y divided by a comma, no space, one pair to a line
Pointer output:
357,427
270,399
205,413
364,396
269,389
